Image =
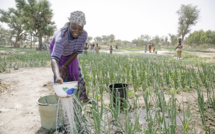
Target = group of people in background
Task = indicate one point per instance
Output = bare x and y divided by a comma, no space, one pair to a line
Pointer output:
96,48
178,49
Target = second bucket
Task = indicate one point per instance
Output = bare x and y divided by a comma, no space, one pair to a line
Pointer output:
48,106
122,90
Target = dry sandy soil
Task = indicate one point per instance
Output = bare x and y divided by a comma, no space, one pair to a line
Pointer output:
19,91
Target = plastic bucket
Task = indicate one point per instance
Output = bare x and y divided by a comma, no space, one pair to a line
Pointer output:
48,111
66,89
119,90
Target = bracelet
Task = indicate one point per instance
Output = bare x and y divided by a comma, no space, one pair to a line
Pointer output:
64,66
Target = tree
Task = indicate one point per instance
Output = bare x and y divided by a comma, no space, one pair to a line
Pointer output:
203,37
13,19
211,37
173,39
111,38
104,38
89,39
157,39
166,40
4,36
38,18
200,37
107,39
47,39
12,34
138,42
188,16
145,38
98,39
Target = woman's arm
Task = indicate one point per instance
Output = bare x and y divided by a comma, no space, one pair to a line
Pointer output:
66,64
55,69
71,58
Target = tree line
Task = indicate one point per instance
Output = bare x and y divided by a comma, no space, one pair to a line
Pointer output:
194,39
201,37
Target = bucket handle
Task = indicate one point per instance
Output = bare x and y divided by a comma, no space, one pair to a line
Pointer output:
42,104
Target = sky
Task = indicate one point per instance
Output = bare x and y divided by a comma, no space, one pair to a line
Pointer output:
128,19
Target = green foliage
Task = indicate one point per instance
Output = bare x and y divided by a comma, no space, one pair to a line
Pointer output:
28,58
144,40
201,105
201,37
188,16
131,94
105,39
31,17
4,36
89,39
13,18
173,39
38,17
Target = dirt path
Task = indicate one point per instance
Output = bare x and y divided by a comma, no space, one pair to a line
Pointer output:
19,112
132,52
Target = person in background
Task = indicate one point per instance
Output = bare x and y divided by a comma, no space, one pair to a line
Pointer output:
154,50
111,49
85,48
145,48
150,47
65,47
179,49
92,47
44,47
97,48
116,46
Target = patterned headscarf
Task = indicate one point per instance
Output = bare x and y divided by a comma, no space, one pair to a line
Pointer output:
77,17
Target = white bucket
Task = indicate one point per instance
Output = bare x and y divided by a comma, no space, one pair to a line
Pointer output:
66,89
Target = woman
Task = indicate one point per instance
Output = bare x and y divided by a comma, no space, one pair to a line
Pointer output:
150,48
64,49
145,48
85,48
97,48
179,49
111,49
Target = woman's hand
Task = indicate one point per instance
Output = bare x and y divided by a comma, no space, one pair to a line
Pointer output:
63,72
55,69
59,80
179,46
